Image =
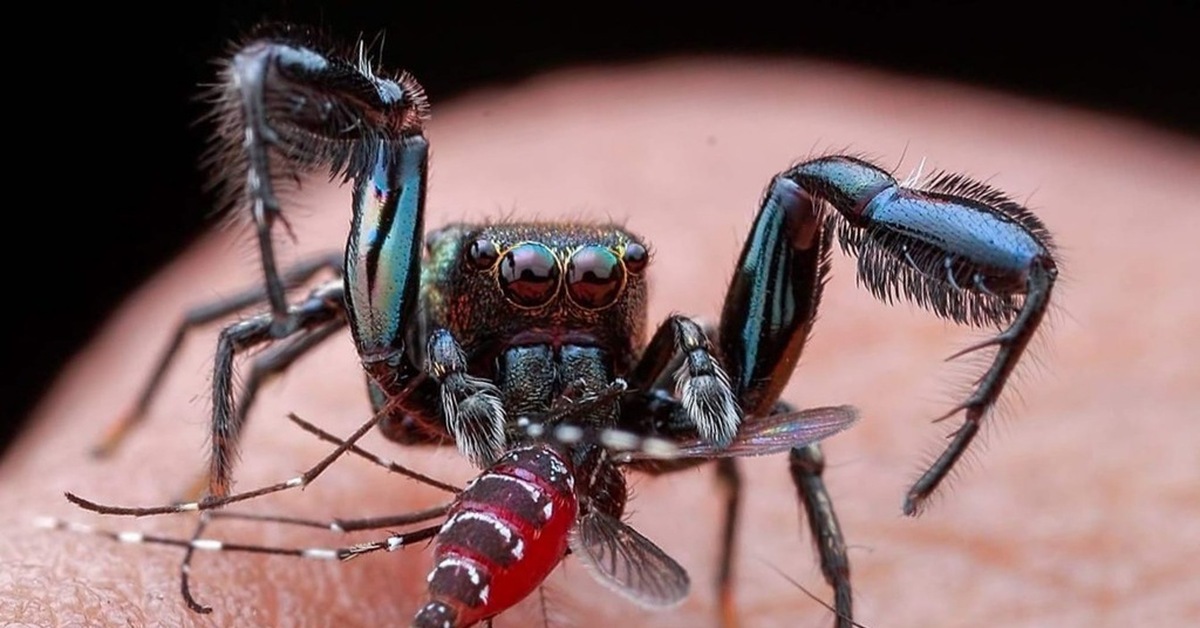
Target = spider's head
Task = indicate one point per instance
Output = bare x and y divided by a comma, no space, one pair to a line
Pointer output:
538,283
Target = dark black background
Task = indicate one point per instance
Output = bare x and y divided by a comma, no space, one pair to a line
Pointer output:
110,188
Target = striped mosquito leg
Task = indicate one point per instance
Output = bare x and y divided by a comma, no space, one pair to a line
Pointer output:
389,465
336,525
209,503
390,543
185,569
339,525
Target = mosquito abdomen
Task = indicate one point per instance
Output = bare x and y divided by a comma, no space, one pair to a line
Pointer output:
503,537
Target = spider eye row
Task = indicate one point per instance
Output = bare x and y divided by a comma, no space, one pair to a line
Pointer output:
530,273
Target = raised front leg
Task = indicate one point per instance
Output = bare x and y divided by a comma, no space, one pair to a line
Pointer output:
954,246
285,107
768,313
773,297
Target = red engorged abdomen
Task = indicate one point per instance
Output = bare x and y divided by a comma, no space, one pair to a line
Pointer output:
502,539
544,549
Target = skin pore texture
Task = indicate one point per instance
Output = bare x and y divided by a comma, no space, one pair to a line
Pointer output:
1076,509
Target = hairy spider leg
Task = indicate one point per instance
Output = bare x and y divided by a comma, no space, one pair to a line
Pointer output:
199,316
284,107
807,466
287,104
310,322
954,246
767,315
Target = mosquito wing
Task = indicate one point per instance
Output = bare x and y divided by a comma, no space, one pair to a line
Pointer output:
628,562
772,434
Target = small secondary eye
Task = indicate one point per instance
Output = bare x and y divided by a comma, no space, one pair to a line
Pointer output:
635,257
482,254
529,274
595,277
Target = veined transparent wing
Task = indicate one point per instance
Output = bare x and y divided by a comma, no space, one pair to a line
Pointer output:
762,436
628,562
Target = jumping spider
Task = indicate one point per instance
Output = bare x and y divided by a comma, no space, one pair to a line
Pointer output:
466,329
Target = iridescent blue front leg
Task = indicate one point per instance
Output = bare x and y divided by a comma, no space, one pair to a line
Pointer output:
383,261
954,246
768,313
773,297
383,276
288,105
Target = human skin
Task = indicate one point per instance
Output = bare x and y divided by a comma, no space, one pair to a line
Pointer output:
1081,510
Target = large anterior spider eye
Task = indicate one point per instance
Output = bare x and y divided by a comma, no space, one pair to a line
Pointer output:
595,277
529,274
482,254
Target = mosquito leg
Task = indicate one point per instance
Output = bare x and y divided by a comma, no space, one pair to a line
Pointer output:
212,501
185,569
391,543
382,462
338,525
199,316
807,465
196,543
